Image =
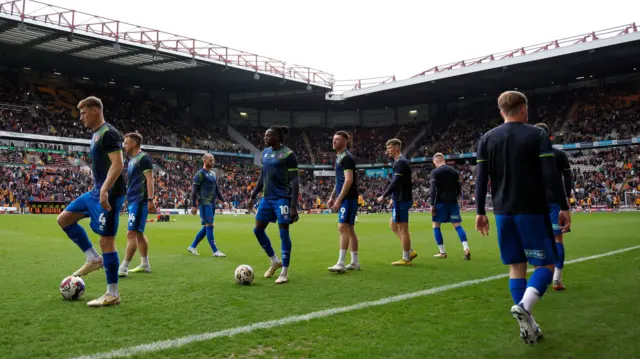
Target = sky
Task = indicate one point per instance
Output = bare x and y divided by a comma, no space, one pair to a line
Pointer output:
355,39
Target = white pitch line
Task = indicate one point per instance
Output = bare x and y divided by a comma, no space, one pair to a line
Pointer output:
178,342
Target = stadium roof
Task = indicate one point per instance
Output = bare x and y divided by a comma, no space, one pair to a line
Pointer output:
594,55
39,35
597,54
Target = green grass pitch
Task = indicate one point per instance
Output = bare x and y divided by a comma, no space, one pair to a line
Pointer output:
596,317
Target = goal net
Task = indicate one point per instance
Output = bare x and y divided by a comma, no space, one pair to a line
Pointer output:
631,200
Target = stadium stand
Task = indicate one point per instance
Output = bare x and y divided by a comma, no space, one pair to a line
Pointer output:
203,103
27,175
368,142
55,114
583,115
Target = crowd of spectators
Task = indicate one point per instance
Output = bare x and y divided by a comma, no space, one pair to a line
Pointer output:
574,116
603,116
22,184
160,123
174,179
599,175
602,174
31,176
368,142
40,171
581,116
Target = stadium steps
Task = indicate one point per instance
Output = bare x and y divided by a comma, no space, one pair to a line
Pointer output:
412,144
624,184
445,134
307,144
572,111
33,91
240,139
571,115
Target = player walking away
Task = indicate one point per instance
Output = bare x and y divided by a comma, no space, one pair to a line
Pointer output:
205,192
279,179
563,166
102,204
444,193
519,160
139,203
400,187
346,204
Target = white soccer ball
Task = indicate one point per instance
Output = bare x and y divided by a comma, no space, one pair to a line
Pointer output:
72,288
244,274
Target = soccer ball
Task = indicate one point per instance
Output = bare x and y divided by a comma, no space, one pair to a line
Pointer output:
72,288
244,274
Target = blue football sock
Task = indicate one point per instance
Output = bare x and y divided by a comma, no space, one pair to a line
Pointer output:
111,263
264,241
199,237
540,280
560,250
438,234
210,239
461,234
286,247
79,236
517,288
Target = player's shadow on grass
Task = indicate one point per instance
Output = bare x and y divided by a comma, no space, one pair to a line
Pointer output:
246,286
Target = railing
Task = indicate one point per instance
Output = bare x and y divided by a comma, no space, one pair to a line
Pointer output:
12,107
341,86
546,46
78,22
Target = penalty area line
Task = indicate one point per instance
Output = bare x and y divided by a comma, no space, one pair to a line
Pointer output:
178,342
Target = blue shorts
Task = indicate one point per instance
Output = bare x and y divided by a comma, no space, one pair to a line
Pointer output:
348,211
271,209
138,213
207,213
526,237
447,213
103,223
400,212
554,211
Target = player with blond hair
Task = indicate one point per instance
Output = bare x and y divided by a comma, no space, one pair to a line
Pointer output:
102,204
519,160
444,193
